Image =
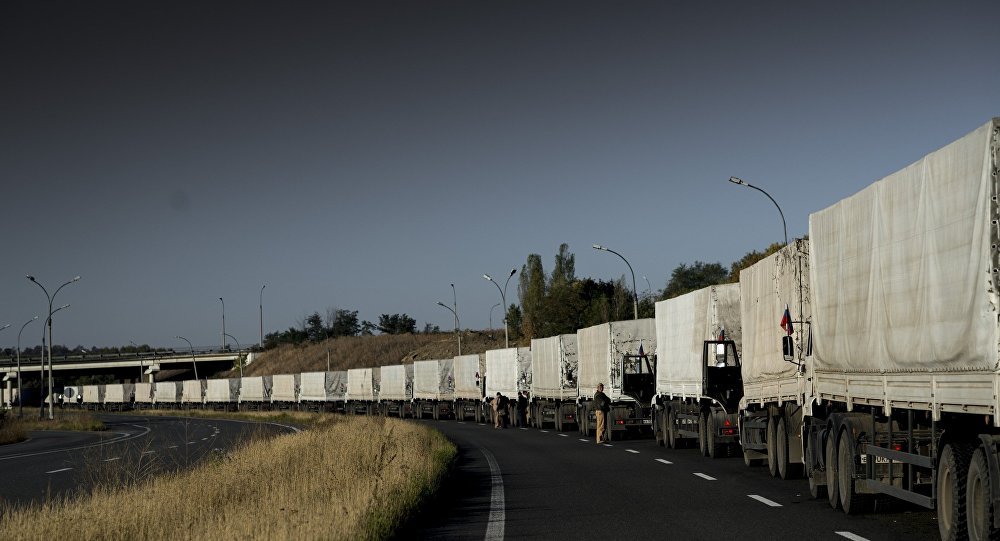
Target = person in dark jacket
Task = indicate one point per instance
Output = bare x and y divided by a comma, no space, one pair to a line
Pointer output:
522,408
602,406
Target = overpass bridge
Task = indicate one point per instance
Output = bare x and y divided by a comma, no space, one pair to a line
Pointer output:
129,366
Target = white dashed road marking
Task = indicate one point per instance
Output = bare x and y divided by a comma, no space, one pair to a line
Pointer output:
584,439
705,477
663,461
764,500
564,435
632,451
545,432
607,445
57,471
851,536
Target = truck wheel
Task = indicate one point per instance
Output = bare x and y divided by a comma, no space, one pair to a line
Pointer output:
850,501
772,449
715,449
658,428
703,433
979,508
952,475
832,488
786,469
671,431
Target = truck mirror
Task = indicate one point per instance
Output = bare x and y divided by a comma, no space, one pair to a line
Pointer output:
788,348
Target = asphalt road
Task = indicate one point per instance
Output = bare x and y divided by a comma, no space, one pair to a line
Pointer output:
555,486
53,464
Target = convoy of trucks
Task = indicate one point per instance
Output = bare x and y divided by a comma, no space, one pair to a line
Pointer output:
865,357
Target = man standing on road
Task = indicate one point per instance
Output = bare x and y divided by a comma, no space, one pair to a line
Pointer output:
602,406
522,408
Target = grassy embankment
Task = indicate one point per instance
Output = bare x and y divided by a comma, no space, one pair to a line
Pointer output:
345,478
13,430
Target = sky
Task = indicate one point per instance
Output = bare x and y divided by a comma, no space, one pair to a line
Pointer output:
367,155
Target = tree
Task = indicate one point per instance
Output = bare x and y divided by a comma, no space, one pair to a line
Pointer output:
514,322
531,291
397,324
345,323
315,331
685,279
749,259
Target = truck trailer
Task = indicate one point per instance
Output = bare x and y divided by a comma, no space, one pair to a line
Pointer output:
433,388
508,371
469,370
362,391
622,356
322,391
553,387
698,384
395,396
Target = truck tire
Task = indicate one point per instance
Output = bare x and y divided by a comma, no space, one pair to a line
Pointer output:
979,507
772,445
850,501
658,434
832,488
671,431
786,470
715,449
703,433
952,475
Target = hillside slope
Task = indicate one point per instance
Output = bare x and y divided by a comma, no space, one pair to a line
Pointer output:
363,351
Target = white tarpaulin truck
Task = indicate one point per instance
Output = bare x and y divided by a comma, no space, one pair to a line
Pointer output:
469,370
508,371
322,391
255,392
553,381
395,393
774,388
219,393
193,393
698,384
607,353
362,390
284,391
433,388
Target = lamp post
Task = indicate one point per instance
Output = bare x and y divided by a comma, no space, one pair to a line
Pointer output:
635,293
49,325
491,316
503,301
448,308
239,353
136,346
261,305
20,401
194,362
649,288
41,372
224,335
784,227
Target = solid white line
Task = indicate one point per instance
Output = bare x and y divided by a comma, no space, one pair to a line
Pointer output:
764,500
57,471
124,437
705,477
632,451
663,461
112,459
851,536
495,527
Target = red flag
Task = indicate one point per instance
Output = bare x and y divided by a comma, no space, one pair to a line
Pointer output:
786,321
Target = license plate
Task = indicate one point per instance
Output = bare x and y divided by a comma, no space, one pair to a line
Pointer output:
878,459
647,421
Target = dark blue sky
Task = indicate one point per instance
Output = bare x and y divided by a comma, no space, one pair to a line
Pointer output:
365,156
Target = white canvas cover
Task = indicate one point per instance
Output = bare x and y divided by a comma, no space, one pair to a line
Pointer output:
252,389
336,384
600,350
396,382
429,379
114,393
285,388
682,325
901,271
554,367
312,387
779,279
469,370
508,371
144,393
222,390
91,394
167,392
360,384
194,391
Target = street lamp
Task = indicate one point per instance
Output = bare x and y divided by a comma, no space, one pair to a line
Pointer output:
193,361
239,353
261,345
503,301
649,288
491,316
448,308
41,373
49,325
20,396
635,293
737,180
224,335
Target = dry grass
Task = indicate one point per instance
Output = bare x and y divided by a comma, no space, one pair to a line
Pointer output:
287,417
14,430
367,351
348,478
